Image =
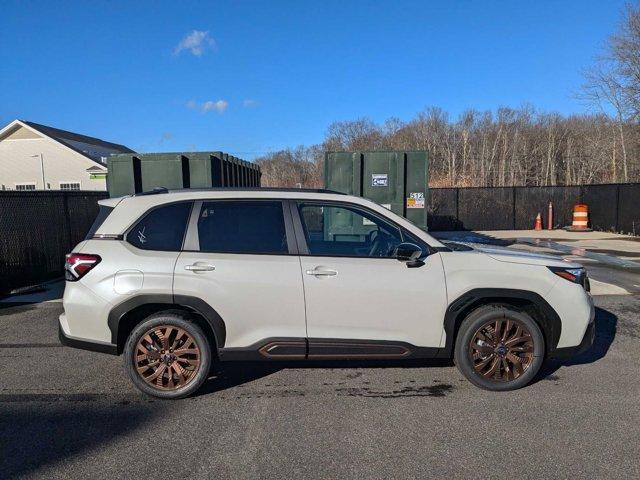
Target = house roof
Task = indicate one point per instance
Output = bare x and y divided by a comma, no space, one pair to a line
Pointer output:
68,138
92,148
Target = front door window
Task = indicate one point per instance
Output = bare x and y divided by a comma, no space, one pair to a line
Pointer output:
347,231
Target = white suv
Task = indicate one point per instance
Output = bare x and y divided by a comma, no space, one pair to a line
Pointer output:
177,280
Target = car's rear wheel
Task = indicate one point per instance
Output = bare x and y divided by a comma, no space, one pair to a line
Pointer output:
499,347
167,355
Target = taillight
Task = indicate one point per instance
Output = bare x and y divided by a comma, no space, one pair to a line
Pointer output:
77,265
574,275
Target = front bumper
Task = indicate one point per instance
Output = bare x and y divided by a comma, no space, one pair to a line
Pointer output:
585,344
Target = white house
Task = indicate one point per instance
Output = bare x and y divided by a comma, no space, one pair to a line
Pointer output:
37,157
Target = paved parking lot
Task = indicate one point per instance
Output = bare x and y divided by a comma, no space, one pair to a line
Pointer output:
67,413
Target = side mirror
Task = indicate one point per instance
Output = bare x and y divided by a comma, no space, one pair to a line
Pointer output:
409,253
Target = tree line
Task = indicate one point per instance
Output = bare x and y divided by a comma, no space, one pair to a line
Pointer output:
508,146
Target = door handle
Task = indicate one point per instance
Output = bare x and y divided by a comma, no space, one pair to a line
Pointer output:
199,267
322,273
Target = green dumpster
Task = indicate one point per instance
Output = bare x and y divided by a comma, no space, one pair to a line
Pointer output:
396,180
129,174
124,175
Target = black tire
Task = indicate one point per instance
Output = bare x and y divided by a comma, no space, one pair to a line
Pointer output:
469,360
174,320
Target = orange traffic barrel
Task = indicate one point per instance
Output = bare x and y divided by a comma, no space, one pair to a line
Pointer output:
580,218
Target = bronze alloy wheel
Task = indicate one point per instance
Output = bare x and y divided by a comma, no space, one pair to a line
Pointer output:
501,350
167,357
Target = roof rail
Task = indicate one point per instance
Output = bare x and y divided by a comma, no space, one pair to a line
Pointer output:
155,191
240,189
275,189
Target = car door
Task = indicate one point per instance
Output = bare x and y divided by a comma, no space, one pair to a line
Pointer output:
355,289
238,258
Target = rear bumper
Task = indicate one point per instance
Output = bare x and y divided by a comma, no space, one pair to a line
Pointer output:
69,341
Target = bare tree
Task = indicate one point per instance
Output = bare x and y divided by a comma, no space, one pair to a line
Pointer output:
511,147
613,83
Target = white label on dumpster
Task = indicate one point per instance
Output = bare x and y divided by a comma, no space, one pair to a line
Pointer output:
379,180
415,200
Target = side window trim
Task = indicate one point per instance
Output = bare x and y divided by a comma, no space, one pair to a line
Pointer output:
192,241
301,235
301,239
289,228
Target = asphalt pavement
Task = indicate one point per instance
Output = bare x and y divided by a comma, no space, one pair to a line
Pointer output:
67,413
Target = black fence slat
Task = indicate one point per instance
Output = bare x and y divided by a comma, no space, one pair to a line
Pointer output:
612,207
629,208
486,208
602,201
37,229
533,200
442,210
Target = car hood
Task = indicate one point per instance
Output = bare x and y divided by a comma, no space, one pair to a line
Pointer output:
526,258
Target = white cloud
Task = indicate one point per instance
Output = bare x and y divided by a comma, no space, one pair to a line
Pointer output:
166,136
249,103
197,42
220,106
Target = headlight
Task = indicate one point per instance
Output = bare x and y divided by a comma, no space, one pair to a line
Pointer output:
574,275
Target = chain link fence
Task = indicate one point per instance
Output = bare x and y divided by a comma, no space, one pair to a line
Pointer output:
614,207
37,229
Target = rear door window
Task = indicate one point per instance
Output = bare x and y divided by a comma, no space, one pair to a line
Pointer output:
242,227
162,228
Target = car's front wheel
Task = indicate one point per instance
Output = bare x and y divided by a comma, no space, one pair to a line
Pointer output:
167,355
499,347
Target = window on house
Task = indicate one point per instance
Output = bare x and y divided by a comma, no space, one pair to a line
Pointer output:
25,186
70,186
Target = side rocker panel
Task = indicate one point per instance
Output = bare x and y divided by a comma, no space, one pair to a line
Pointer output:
273,349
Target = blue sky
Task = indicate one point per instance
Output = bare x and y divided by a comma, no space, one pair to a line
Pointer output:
248,77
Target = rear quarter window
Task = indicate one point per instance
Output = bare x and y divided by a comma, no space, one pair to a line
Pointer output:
103,213
161,228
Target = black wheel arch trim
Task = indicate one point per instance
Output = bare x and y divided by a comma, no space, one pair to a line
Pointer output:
195,304
551,325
